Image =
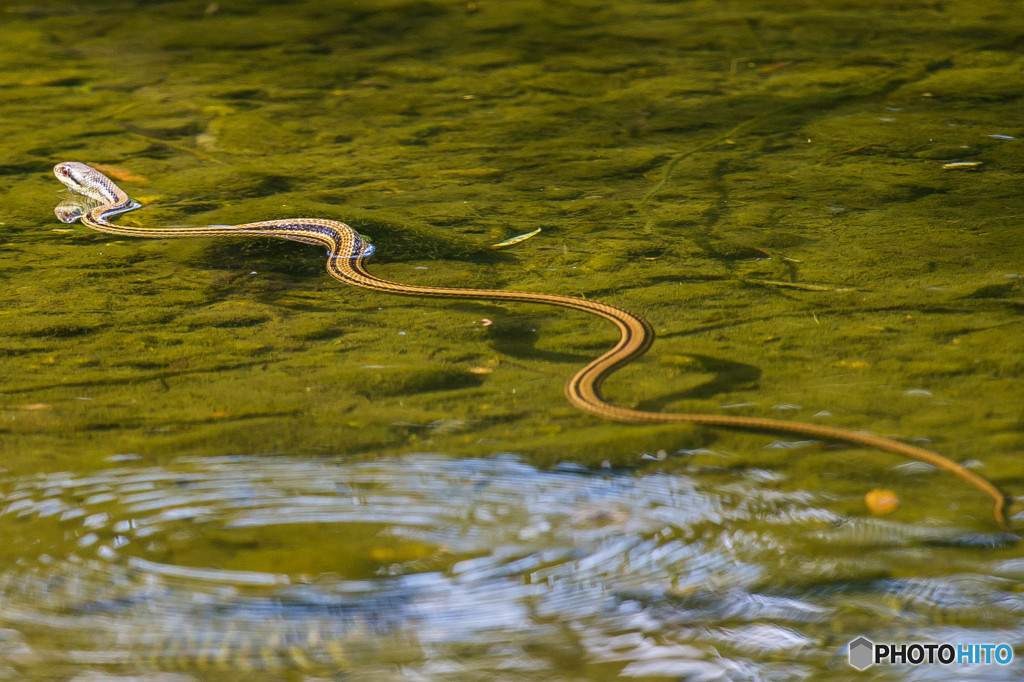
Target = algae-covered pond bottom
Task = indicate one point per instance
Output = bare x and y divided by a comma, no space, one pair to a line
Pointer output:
216,462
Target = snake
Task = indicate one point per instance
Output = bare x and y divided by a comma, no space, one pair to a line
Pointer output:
347,252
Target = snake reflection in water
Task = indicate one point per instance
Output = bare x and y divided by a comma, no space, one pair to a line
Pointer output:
347,253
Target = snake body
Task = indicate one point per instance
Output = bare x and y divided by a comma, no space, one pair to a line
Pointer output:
348,251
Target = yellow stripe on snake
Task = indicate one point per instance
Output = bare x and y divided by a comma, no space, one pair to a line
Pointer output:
347,253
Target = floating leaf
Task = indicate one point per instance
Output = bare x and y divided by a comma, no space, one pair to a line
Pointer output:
515,240
880,501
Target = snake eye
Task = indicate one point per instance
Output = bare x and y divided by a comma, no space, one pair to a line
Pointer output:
66,172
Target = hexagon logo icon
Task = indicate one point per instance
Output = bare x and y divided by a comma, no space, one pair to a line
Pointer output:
862,653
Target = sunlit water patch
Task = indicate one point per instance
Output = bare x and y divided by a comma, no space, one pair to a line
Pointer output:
466,569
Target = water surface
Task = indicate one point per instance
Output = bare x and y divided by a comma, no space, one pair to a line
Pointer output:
209,448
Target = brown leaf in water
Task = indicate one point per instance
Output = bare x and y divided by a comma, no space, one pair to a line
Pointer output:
118,173
881,501
777,66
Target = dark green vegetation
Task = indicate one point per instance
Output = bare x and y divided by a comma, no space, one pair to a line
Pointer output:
764,181
666,149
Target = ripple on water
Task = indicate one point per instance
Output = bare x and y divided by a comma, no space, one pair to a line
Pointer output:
434,565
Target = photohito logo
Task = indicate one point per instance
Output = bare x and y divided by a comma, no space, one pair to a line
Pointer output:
865,653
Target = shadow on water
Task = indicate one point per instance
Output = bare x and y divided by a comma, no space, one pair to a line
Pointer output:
728,376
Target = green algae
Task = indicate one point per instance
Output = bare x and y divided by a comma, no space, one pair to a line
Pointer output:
763,181
683,163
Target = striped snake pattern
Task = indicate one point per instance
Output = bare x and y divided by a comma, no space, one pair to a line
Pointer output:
347,254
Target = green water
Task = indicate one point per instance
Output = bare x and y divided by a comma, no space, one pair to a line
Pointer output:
766,182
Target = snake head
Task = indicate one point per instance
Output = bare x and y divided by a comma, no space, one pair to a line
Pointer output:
71,209
83,179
